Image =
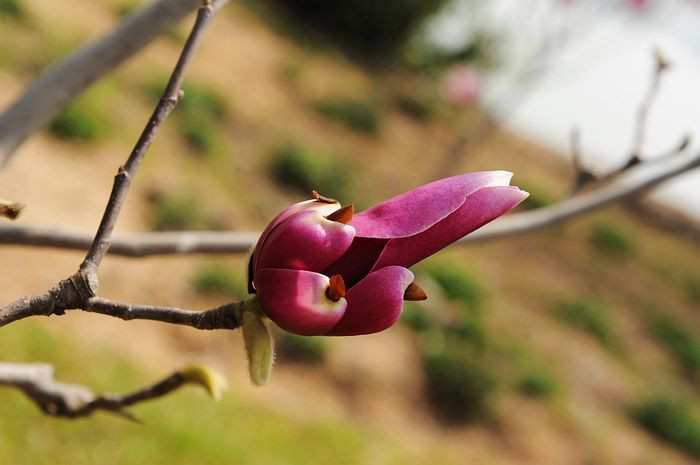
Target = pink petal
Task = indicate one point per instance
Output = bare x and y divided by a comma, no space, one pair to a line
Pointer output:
305,240
296,300
478,209
322,207
417,210
375,303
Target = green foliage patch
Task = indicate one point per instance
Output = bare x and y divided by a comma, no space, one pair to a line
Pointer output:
692,290
305,170
179,211
300,349
538,383
13,9
219,280
611,242
460,387
371,28
679,341
75,123
361,115
587,315
672,420
458,284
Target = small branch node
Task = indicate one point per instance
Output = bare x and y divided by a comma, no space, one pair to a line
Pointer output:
10,210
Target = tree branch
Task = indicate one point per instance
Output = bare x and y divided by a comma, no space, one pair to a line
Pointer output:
636,181
79,291
633,182
58,399
585,177
63,82
226,316
122,181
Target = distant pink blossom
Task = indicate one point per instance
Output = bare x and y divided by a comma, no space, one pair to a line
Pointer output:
317,269
638,4
463,84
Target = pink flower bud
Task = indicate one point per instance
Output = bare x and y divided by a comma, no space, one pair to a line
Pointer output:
319,270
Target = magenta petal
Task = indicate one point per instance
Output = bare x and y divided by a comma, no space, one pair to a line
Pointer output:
305,241
417,210
375,303
296,300
478,209
314,205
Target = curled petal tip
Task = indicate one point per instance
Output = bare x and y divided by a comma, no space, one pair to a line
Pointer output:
499,178
336,288
342,215
321,198
414,292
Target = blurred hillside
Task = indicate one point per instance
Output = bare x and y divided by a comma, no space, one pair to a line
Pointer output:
576,345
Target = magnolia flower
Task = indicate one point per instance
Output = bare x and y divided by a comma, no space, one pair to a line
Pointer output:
318,269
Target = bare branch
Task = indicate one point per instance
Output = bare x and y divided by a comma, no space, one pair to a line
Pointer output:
224,317
661,65
633,182
61,83
59,399
583,177
636,181
134,245
9,209
78,290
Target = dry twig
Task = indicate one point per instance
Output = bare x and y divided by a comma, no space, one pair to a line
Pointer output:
584,177
59,399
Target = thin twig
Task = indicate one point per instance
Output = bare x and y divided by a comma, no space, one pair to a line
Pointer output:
634,182
59,399
661,65
122,181
63,82
583,177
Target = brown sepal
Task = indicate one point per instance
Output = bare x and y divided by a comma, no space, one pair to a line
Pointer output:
321,198
414,292
342,215
336,288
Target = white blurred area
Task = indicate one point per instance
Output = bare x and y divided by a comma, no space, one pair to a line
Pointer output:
587,64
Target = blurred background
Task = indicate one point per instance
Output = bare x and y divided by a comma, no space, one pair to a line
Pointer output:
578,344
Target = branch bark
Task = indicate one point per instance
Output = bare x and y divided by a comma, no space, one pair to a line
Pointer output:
60,84
633,182
79,291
